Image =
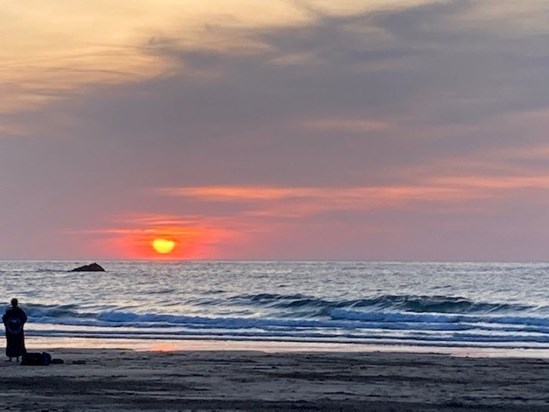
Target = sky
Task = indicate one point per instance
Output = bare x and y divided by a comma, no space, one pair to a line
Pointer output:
284,129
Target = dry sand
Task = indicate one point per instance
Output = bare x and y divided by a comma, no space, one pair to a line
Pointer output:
108,379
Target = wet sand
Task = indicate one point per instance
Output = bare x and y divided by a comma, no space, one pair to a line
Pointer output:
109,379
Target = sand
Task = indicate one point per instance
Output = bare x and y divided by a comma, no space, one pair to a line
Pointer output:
122,379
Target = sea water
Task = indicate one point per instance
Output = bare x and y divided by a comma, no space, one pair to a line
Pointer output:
436,304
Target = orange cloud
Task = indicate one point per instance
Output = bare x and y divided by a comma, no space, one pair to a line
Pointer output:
349,125
496,182
322,198
277,201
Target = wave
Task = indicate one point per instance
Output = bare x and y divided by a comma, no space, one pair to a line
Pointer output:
413,338
339,318
406,303
389,317
301,317
437,303
340,339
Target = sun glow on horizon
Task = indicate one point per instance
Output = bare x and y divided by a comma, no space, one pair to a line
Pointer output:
159,237
163,246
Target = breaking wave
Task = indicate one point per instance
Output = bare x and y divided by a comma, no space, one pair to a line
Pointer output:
419,304
488,304
435,320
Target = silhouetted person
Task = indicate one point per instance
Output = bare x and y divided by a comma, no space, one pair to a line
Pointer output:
14,320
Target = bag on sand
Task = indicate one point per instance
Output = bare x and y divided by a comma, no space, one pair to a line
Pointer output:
36,359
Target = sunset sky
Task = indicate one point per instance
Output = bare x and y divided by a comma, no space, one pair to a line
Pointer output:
251,129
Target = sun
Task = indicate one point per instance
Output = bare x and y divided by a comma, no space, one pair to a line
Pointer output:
163,246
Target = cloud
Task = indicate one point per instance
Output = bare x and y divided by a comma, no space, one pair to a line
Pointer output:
346,125
377,119
307,201
65,53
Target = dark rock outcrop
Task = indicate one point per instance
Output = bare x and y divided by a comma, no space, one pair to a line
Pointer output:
92,267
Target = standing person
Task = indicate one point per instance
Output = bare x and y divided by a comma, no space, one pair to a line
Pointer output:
14,320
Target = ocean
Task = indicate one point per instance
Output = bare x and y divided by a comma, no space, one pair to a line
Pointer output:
391,303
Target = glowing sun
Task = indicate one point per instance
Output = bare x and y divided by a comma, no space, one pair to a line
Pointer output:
163,246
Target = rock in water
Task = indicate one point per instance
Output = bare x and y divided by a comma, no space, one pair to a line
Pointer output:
92,267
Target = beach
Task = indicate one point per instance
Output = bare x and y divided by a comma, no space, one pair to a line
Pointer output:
160,378
278,336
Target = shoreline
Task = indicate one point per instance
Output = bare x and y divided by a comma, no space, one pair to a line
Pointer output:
98,378
182,345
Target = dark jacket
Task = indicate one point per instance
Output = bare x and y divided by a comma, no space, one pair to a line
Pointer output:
14,319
